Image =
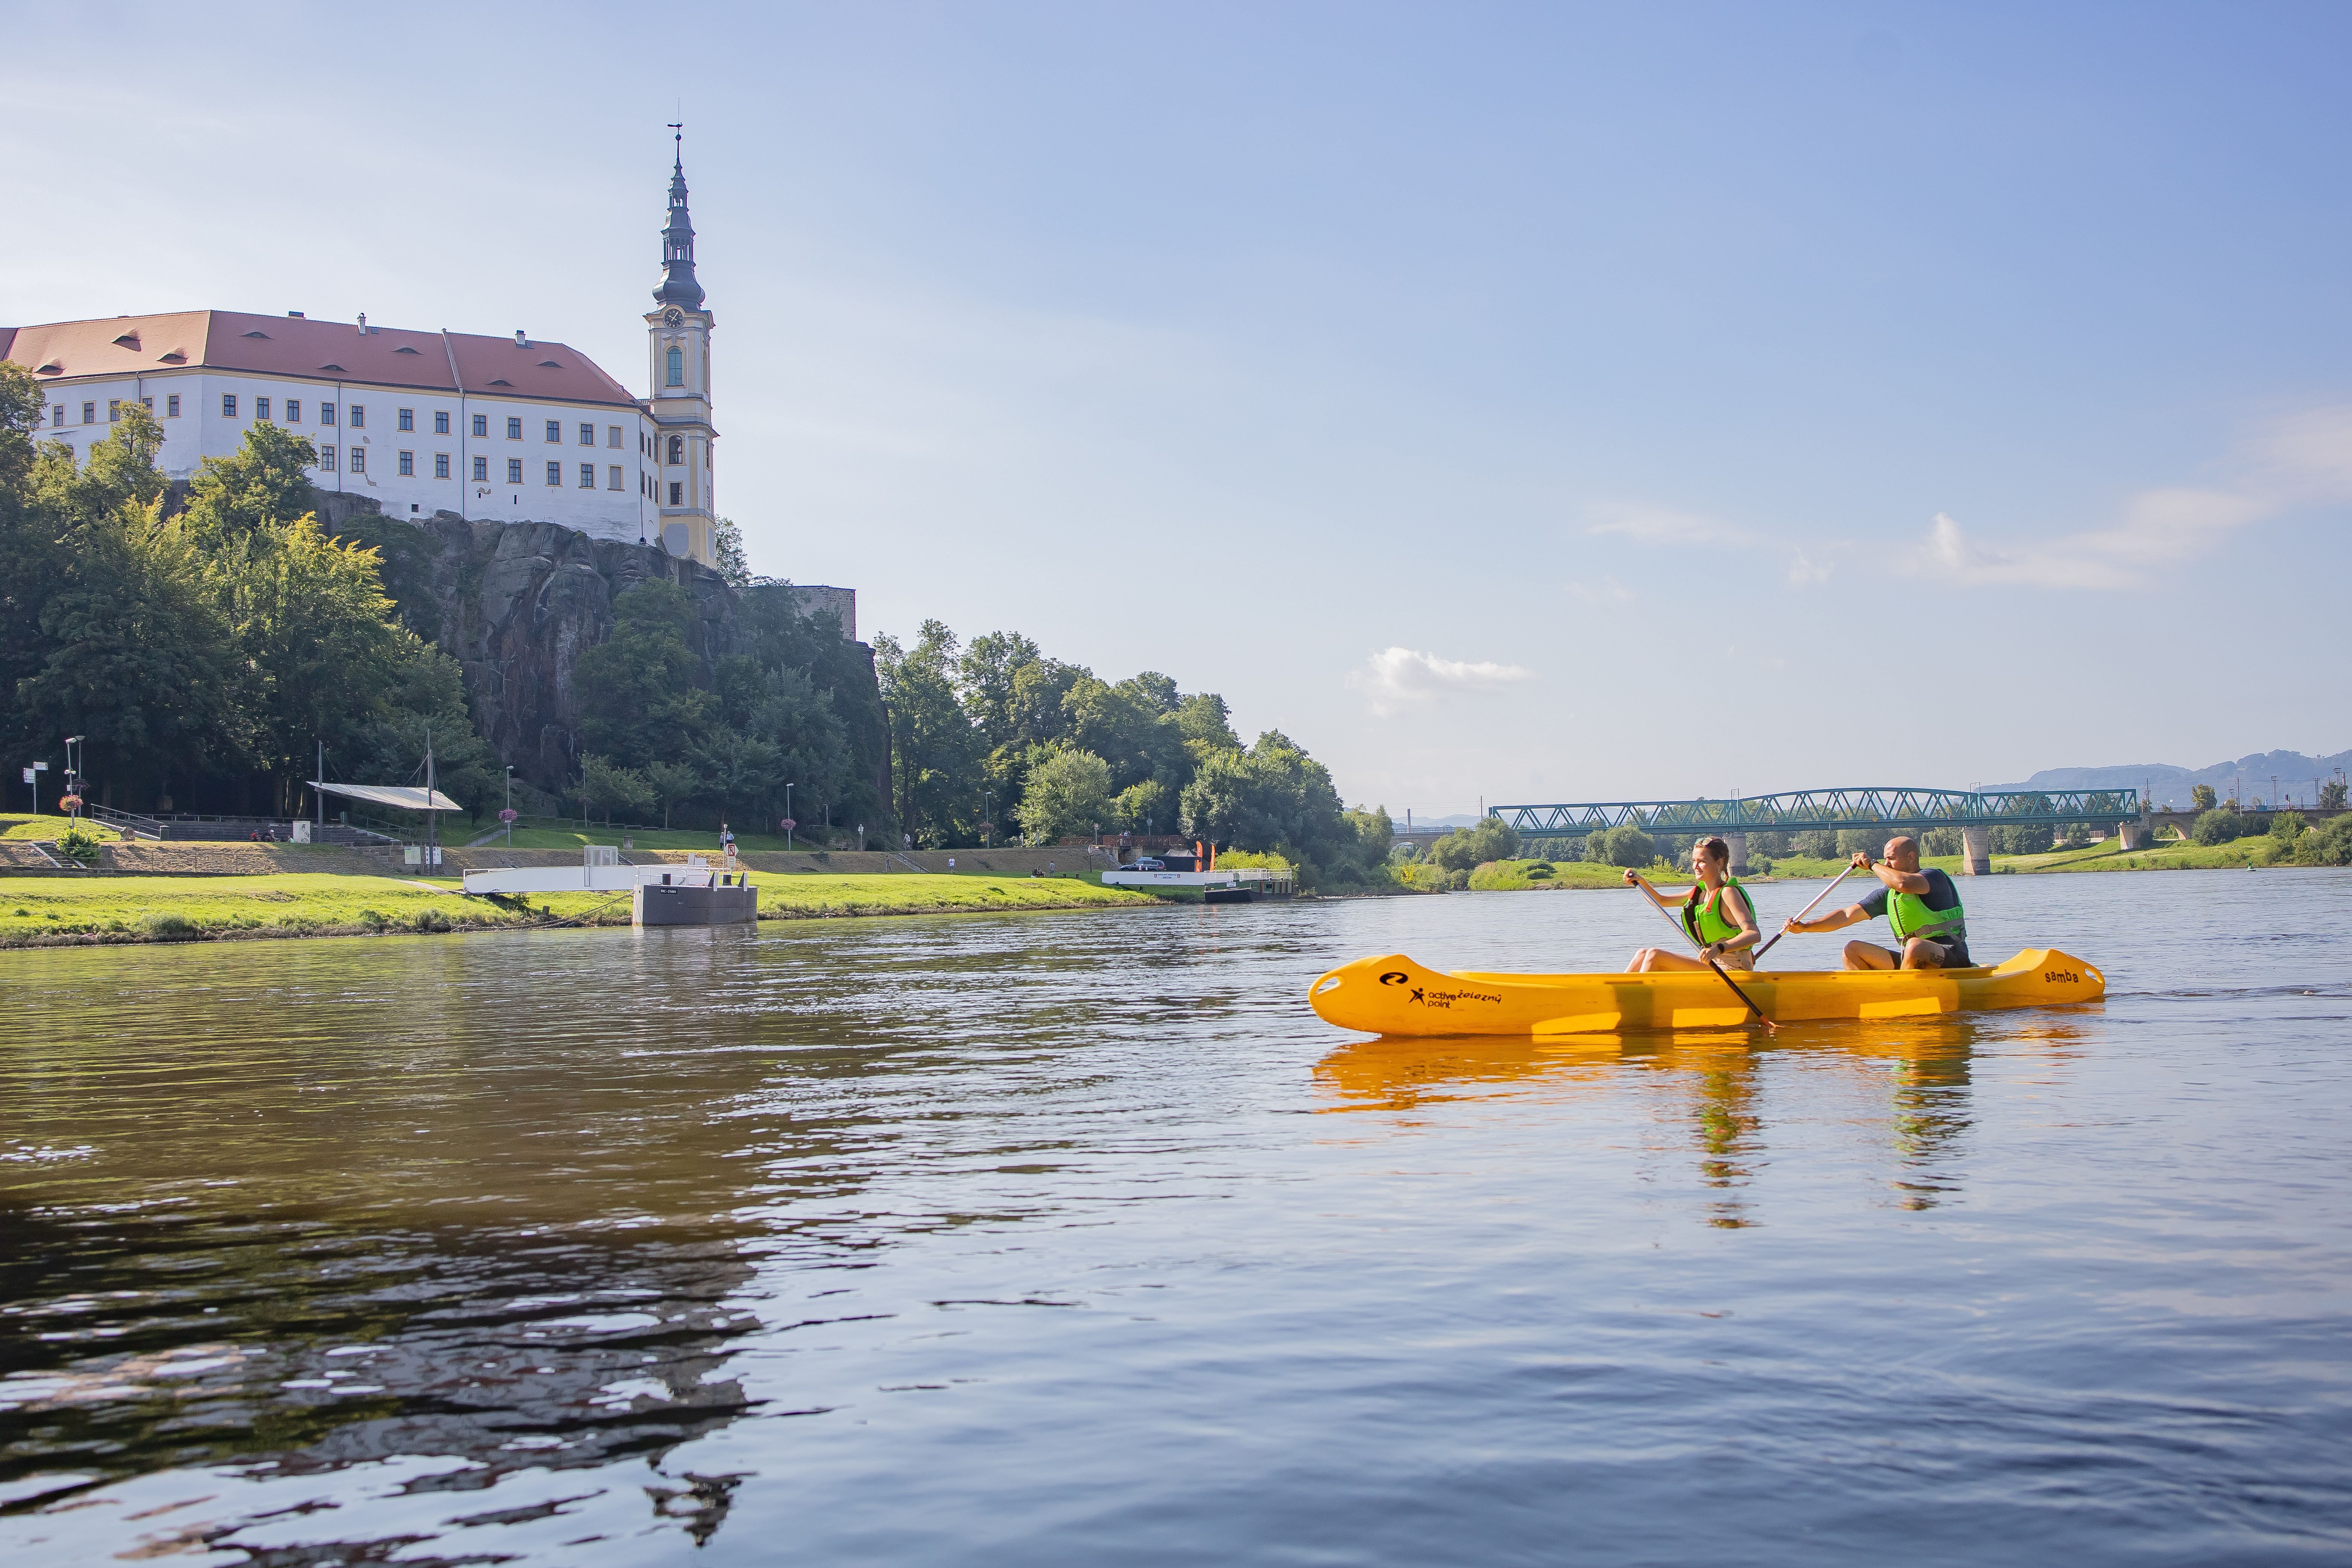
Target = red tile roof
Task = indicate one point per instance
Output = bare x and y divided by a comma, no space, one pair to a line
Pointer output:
292,346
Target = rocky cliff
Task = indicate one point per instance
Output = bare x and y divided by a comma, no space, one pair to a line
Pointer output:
517,603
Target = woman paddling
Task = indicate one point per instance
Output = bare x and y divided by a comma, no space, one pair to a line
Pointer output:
1716,913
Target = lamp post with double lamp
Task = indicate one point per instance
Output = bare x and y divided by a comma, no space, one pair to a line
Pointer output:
988,828
73,776
505,811
788,823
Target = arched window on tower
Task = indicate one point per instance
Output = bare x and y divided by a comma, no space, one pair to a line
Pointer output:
678,448
676,366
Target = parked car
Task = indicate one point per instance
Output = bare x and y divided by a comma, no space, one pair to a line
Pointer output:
1146,864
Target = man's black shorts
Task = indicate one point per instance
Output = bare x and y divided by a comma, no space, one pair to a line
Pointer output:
1936,954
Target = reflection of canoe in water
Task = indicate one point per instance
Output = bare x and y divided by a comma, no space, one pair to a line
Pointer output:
1394,995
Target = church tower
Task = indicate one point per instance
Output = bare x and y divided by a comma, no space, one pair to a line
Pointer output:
678,340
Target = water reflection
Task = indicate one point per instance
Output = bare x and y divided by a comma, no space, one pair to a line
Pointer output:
1916,1075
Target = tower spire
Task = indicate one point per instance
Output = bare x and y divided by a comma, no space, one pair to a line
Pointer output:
678,286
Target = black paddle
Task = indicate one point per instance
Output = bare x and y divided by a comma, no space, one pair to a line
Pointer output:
1769,1026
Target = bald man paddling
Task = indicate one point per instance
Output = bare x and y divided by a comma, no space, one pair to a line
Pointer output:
1923,907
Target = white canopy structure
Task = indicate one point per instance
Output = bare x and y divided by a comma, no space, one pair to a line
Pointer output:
407,797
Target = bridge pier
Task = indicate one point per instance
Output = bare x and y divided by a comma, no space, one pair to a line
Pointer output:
1738,844
1976,851
2135,835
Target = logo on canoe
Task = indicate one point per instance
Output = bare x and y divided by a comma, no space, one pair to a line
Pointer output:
2062,976
1395,977
1447,998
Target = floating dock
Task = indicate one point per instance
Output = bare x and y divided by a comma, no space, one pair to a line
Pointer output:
1246,886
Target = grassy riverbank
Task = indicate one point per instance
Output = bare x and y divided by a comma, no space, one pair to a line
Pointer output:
1511,876
40,912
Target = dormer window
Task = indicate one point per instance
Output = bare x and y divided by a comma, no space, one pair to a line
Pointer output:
676,366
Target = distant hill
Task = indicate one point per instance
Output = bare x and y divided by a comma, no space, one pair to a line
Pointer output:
1459,819
2167,781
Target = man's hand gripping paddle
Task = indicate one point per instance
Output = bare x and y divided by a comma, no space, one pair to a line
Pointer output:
1809,909
1769,1026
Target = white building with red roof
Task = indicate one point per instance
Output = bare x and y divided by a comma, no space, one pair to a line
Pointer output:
491,428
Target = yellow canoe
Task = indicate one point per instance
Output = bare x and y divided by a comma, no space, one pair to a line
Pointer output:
1394,995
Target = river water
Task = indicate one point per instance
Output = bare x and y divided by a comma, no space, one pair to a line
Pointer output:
1077,1238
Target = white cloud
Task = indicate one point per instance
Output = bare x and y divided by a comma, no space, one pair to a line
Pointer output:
2305,457
1658,525
1804,569
1399,677
1609,591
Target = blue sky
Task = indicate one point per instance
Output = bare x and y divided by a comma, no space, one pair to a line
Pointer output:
1533,402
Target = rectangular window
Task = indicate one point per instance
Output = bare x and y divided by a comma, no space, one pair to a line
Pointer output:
481,424
514,470
587,476
261,409
481,471
148,403
357,416
327,458
613,478
440,422
440,465
554,473
613,437
228,407
554,431
359,459
408,419
293,410
326,414
514,429
58,414
114,409
587,434
677,493
408,464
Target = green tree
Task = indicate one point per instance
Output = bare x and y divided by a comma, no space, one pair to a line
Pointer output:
611,787
811,744
2331,795
264,481
1151,806
635,693
739,774
669,783
1489,838
726,545
934,749
310,618
2217,825
424,700
1067,794
2202,798
1206,724
1273,797
1623,845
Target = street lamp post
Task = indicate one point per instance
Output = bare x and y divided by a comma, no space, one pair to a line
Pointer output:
506,808
73,776
988,828
788,824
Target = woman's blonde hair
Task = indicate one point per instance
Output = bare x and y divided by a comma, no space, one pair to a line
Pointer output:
1715,849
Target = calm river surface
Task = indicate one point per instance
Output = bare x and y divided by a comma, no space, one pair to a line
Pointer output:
1077,1238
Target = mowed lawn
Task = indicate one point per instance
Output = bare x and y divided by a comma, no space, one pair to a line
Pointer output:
37,909
47,828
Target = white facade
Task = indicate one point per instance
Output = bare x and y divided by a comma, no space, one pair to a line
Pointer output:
415,451
493,429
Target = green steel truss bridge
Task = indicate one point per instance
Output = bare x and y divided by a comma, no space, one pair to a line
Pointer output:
1813,810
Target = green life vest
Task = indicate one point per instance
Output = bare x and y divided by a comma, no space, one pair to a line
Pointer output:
1704,917
1910,915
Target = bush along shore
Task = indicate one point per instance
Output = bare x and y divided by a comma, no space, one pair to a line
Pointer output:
63,912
